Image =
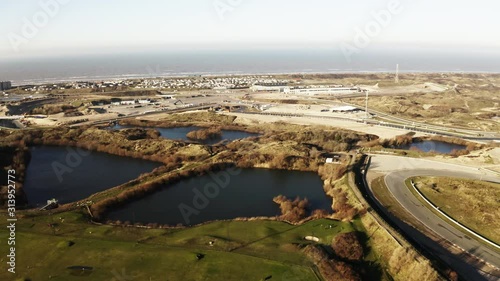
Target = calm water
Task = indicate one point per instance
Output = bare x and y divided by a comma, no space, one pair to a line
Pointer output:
179,133
7,123
247,194
437,146
185,63
54,172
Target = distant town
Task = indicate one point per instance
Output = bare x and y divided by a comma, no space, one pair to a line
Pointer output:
255,83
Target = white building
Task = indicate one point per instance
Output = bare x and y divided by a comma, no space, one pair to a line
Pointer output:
147,101
167,97
127,102
311,90
325,90
270,87
345,108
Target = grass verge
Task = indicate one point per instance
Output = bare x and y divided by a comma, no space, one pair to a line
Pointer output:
473,203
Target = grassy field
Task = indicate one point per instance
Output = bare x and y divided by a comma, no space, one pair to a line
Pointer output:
250,250
474,203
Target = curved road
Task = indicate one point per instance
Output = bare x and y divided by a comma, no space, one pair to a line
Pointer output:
397,170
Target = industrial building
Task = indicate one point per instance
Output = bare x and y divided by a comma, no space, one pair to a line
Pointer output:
323,90
283,88
270,87
345,108
5,85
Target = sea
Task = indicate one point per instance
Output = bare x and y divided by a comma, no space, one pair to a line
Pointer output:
117,66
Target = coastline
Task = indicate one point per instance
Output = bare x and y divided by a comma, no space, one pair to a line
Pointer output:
181,75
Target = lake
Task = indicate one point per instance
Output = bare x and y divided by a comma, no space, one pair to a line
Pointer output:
7,123
70,174
179,133
437,146
247,194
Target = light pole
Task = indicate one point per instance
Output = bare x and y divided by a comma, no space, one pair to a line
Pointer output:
396,79
481,179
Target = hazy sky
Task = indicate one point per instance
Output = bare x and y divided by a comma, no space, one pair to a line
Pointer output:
87,26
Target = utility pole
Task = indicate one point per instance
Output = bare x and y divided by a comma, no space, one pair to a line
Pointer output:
396,79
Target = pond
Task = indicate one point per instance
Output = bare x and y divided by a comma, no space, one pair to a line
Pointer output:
437,146
179,133
69,174
223,195
7,123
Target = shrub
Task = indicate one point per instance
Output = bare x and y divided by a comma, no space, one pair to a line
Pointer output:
205,134
348,246
292,211
330,269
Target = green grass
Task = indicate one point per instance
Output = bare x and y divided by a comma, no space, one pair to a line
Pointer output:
249,250
39,257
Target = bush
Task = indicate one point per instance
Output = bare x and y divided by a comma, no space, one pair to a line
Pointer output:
292,211
348,246
330,269
205,134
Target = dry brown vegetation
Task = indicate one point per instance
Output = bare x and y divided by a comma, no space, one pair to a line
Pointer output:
329,267
470,100
292,210
205,134
408,266
136,143
400,140
140,134
408,138
329,140
334,177
347,246
17,159
50,109
186,119
471,202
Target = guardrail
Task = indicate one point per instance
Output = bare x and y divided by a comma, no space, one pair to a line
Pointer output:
376,123
482,238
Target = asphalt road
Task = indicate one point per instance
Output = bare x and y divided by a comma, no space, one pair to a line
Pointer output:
397,170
